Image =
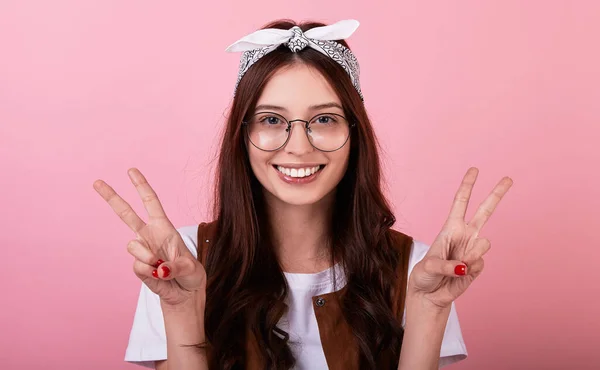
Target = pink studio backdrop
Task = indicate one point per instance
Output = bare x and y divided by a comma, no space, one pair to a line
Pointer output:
91,88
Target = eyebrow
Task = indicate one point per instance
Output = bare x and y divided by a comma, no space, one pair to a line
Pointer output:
312,107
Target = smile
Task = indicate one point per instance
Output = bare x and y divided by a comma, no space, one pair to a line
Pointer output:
298,174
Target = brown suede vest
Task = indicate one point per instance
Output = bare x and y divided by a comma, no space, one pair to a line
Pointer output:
337,339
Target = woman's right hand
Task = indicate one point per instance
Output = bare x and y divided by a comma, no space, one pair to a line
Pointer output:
162,260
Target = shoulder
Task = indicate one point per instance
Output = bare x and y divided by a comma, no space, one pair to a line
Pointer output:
198,237
207,229
410,252
400,241
189,234
406,245
418,251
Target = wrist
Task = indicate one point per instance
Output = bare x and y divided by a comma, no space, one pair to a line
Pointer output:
419,303
195,303
184,323
423,333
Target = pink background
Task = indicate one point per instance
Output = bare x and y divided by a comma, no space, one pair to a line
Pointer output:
91,88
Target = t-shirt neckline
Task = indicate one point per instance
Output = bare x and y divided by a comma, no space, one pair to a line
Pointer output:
309,281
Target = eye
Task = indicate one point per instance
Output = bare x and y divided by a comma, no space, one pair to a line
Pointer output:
270,120
325,119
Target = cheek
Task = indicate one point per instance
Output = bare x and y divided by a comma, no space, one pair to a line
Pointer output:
342,158
258,162
338,165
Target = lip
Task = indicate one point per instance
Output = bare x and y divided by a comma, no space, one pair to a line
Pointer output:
298,180
298,165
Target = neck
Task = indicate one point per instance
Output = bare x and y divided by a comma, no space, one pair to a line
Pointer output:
301,233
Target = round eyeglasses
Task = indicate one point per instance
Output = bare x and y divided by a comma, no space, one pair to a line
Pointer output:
270,131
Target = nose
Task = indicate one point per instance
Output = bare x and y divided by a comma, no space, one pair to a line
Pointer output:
298,143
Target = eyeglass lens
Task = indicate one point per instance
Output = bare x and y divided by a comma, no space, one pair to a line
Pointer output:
326,131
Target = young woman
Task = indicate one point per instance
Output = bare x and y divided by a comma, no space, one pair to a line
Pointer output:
300,268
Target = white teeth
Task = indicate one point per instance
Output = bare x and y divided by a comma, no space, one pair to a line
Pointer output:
295,172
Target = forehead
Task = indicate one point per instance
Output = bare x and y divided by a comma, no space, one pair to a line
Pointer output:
298,86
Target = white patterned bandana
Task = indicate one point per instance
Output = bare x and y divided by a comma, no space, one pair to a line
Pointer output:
258,44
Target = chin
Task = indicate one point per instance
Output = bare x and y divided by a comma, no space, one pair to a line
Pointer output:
299,199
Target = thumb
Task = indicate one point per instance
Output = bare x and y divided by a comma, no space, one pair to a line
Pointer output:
181,267
450,268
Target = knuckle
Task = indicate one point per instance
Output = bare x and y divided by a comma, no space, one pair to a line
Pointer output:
124,213
111,197
485,243
137,268
131,246
140,269
461,198
478,265
139,275
429,265
149,198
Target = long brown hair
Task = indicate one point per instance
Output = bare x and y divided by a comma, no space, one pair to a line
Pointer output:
246,286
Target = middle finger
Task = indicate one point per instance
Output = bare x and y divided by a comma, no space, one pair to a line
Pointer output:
486,209
148,195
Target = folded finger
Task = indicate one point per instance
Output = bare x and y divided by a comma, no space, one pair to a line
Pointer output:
480,247
476,267
142,253
143,270
180,267
119,205
450,268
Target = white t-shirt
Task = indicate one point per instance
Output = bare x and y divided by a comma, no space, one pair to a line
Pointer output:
147,340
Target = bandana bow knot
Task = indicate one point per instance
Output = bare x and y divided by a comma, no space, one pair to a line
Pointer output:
322,39
298,41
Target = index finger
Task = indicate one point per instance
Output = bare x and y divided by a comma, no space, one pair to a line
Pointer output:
463,195
120,206
147,194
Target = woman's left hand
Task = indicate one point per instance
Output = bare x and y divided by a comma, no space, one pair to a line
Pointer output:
455,258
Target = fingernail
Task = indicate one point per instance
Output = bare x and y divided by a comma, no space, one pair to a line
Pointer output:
460,270
158,263
166,271
155,273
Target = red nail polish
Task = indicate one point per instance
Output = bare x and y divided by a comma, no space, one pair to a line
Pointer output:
460,270
158,263
166,271
155,273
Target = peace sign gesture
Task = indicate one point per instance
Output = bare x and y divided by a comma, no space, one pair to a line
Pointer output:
455,258
162,260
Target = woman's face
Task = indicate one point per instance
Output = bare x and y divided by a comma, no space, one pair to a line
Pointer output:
298,92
